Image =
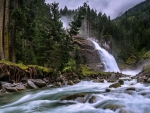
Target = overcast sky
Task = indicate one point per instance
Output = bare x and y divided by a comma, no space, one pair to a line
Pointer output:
112,8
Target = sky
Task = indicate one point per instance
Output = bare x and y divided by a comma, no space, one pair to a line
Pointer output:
112,8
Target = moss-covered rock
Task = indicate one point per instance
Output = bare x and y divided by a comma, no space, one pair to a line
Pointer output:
131,60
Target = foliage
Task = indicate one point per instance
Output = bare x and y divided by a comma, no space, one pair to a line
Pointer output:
70,66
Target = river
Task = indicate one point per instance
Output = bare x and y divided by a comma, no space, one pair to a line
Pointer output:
132,97
48,100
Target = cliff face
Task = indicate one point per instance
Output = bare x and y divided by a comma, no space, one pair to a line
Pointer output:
89,55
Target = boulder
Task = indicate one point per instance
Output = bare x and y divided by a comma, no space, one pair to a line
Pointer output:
77,97
115,85
20,87
57,84
113,106
76,81
123,110
98,80
38,82
31,85
148,80
60,79
70,82
121,82
11,89
92,99
113,78
107,90
130,88
46,80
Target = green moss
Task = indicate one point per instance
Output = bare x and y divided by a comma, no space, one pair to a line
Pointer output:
87,71
45,69
131,60
146,55
24,67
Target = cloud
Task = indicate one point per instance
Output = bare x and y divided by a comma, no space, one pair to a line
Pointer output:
111,8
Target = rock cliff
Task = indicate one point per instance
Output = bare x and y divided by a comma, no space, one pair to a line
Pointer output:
89,55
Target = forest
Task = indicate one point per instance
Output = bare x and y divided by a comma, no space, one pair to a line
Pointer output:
31,32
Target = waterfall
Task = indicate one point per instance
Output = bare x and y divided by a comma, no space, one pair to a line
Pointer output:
107,59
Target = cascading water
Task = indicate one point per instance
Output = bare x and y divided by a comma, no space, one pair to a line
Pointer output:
132,97
107,59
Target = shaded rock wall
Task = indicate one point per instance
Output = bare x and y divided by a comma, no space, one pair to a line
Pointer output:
89,55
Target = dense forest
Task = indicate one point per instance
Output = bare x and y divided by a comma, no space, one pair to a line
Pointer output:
31,32
127,35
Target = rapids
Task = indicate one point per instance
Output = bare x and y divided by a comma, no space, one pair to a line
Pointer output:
132,97
48,100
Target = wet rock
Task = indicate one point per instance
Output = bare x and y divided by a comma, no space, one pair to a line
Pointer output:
148,80
76,81
11,89
38,82
5,84
113,106
113,78
20,87
107,90
98,80
92,99
123,110
57,84
46,80
70,82
30,84
140,79
130,88
60,79
77,97
121,82
115,85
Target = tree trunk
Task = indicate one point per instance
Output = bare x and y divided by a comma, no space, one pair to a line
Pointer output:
1,28
13,40
6,30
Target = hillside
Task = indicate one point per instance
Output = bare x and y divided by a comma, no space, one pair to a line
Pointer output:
135,23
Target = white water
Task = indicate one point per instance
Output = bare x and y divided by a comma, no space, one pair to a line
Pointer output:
118,100
110,63
108,60
48,100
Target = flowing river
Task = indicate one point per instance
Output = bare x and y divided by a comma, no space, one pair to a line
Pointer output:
119,100
132,97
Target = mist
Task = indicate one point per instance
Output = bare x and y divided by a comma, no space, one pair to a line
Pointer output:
112,8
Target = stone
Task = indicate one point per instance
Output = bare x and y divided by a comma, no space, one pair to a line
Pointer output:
11,89
113,78
92,99
107,90
57,84
130,88
98,80
46,80
70,82
20,87
77,97
115,85
76,81
121,82
113,106
31,84
38,82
